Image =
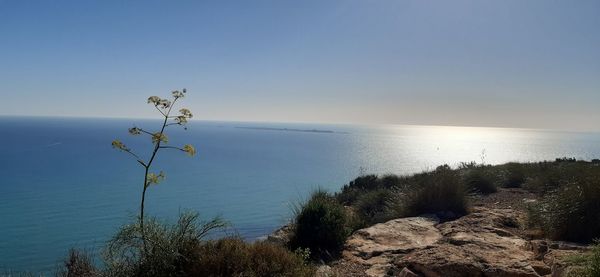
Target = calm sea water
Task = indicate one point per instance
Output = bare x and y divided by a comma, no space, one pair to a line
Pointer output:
62,186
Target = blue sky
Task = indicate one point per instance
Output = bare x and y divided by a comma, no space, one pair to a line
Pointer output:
509,63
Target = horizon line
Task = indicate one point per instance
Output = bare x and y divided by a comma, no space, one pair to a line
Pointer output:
304,122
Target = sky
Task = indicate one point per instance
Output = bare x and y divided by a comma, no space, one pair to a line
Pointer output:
505,63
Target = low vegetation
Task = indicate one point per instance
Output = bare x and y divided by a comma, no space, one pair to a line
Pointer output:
77,264
585,265
478,179
234,257
438,192
180,250
321,225
378,199
168,249
570,206
515,175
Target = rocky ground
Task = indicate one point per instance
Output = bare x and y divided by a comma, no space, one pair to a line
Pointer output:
490,241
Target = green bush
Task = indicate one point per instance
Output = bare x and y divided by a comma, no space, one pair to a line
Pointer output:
371,197
168,249
546,177
477,180
352,191
438,192
321,226
372,206
572,212
234,257
515,175
442,191
179,250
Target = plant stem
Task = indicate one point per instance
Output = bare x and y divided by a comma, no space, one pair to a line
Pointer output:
147,170
142,208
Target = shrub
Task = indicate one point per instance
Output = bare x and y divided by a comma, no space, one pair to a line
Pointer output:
233,257
478,180
584,265
515,176
565,160
168,250
321,226
179,250
77,264
546,178
434,192
353,190
572,212
372,206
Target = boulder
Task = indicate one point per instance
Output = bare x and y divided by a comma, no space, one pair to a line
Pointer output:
393,237
377,245
479,244
482,243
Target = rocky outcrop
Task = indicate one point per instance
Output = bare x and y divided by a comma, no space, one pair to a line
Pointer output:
378,245
281,236
483,243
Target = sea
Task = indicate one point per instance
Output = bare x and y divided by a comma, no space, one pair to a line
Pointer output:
62,185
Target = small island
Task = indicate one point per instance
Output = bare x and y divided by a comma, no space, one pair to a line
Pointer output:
289,130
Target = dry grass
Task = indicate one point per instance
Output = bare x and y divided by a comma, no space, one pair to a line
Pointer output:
234,257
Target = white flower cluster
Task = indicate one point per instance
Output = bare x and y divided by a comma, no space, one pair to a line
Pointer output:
157,101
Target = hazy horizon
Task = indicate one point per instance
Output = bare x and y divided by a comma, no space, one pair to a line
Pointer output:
258,123
509,64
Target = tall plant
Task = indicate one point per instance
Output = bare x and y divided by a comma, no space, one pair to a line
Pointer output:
159,141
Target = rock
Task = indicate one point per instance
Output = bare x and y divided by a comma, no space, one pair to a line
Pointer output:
478,244
489,241
539,248
562,245
281,236
482,243
446,215
393,237
324,271
439,262
396,236
407,273
541,268
529,201
377,245
382,269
